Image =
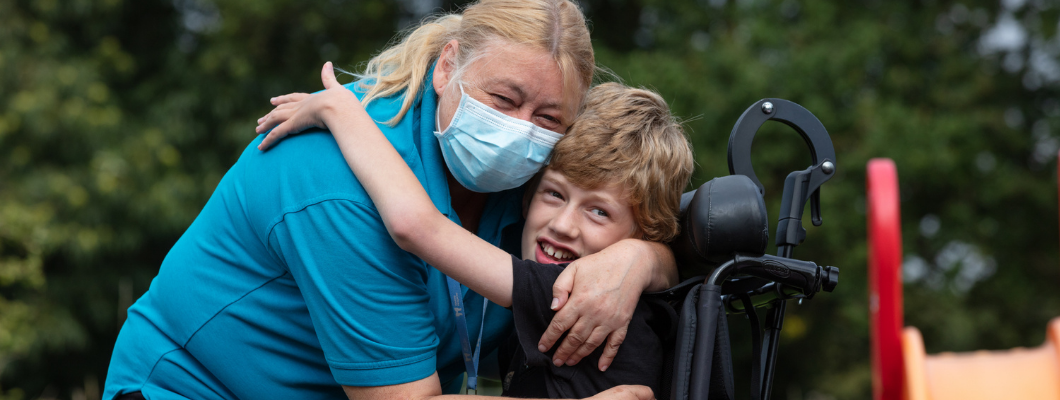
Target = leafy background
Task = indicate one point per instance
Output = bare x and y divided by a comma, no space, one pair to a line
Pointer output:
119,117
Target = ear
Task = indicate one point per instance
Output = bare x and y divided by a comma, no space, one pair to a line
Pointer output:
445,67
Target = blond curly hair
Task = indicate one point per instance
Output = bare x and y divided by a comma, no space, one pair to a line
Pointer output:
628,135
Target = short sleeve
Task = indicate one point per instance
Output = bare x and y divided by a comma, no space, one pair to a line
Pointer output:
531,305
367,298
638,362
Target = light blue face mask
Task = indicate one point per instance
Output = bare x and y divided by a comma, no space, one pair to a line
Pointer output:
488,151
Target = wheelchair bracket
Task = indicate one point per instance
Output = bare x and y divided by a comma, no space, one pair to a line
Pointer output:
800,186
786,277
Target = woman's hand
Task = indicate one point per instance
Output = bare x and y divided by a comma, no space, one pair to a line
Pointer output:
604,289
297,112
627,392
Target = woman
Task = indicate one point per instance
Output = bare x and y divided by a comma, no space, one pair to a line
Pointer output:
287,285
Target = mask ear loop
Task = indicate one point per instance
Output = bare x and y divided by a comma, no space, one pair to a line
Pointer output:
437,117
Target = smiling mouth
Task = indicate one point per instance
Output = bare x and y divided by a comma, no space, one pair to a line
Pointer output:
557,255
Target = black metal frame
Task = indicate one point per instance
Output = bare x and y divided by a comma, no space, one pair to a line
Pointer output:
788,278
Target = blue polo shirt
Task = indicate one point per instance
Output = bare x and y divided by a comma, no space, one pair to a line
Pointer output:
287,284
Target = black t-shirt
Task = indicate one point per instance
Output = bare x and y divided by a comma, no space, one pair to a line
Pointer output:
531,373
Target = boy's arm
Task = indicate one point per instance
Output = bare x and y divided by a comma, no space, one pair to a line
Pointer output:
407,211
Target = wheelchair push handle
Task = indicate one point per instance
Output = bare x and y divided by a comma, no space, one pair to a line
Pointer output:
805,277
789,113
800,186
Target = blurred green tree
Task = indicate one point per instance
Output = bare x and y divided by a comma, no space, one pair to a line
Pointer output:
118,118
962,95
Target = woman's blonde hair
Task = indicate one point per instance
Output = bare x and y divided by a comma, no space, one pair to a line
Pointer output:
556,26
628,135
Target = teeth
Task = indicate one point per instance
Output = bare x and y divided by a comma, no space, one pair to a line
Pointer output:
554,252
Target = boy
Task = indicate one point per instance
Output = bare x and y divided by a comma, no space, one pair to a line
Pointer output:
628,186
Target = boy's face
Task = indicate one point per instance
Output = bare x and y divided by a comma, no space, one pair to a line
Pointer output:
565,222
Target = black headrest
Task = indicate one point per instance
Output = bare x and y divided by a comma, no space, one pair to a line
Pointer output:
724,216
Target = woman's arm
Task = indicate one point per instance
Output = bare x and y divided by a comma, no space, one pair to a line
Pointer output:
604,288
407,211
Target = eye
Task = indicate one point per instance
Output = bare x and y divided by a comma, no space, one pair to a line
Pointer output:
600,212
502,100
553,193
549,122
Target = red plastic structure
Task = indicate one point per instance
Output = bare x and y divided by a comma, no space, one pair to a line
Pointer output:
885,280
901,369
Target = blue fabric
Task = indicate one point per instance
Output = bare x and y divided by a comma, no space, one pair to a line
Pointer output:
287,284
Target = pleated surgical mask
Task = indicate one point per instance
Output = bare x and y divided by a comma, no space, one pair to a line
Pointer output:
487,151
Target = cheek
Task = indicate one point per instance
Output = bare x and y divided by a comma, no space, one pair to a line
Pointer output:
445,116
536,219
602,236
533,223
447,104
595,237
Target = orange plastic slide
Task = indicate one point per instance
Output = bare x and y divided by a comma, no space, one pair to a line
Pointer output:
1018,373
901,367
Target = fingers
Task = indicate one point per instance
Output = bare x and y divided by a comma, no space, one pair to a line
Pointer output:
283,127
272,119
288,98
563,286
596,338
560,323
275,135
580,334
599,336
613,343
630,392
641,392
327,75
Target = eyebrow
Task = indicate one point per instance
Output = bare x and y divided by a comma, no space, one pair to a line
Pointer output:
609,201
549,179
514,87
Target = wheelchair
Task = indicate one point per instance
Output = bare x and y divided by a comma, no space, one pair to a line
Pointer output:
725,231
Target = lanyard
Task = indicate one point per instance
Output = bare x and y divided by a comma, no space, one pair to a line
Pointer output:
470,359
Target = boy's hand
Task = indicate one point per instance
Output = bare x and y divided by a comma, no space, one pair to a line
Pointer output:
297,112
604,288
629,392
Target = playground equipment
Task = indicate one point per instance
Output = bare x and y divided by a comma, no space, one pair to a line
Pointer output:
725,234
900,367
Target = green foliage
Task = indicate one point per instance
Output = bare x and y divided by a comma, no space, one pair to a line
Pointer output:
905,80
118,118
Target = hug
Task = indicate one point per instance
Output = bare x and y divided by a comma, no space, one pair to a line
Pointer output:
432,214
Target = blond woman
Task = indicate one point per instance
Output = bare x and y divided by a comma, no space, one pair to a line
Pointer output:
287,284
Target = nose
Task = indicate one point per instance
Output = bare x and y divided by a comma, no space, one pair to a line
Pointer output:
523,113
565,223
